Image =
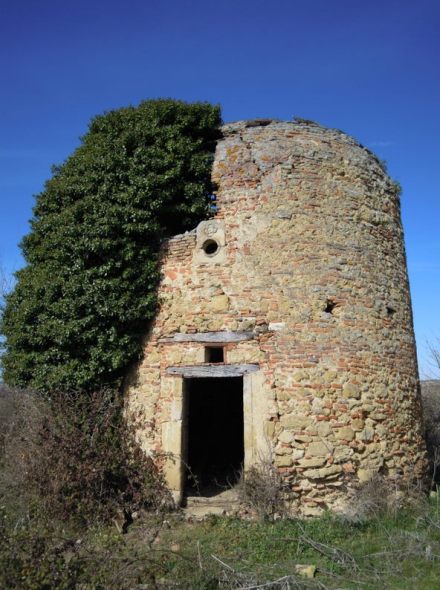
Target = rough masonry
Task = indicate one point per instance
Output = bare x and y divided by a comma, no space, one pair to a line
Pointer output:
300,277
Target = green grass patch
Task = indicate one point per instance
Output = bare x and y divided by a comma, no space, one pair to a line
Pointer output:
388,551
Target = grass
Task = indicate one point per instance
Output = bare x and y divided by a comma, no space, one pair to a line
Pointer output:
376,546
388,551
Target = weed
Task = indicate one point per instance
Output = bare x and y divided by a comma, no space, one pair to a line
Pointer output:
381,498
262,489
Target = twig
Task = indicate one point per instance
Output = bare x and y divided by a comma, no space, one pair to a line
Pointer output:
337,555
268,584
299,584
228,567
199,555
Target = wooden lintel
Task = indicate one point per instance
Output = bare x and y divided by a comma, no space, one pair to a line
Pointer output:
213,370
209,337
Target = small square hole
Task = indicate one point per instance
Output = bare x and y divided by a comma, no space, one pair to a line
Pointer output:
214,354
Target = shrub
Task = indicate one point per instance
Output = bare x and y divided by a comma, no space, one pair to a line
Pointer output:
81,305
21,415
74,457
36,555
31,560
7,413
431,418
261,488
382,497
69,464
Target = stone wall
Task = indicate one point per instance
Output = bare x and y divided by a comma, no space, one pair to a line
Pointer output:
310,265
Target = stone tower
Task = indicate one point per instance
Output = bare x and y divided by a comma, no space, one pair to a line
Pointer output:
285,328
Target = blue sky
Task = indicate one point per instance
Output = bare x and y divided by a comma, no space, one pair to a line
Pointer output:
368,68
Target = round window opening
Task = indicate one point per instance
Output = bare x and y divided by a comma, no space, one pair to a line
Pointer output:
210,247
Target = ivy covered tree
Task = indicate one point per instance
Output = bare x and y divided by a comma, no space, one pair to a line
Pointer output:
82,303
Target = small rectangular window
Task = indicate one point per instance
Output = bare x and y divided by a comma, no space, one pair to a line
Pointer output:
214,354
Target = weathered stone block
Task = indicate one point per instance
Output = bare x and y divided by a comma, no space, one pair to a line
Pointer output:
365,474
345,433
357,424
318,449
220,303
269,429
351,390
323,472
342,454
306,571
283,461
315,462
295,422
324,429
286,437
366,434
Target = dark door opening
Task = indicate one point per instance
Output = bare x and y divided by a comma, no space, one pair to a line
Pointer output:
214,433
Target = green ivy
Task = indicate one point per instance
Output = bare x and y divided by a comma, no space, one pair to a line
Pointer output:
82,303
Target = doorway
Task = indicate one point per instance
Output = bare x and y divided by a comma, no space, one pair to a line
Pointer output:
214,433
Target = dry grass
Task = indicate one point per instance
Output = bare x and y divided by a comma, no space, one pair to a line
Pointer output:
262,490
382,497
431,418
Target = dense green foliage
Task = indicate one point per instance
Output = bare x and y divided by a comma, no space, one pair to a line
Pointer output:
83,301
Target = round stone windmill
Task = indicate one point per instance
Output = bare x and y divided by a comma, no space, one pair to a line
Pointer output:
285,331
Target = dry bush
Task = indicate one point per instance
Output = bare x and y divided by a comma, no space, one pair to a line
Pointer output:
431,418
380,496
21,417
68,463
74,456
262,489
8,413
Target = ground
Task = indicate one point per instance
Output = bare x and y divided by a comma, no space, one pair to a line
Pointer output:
389,550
